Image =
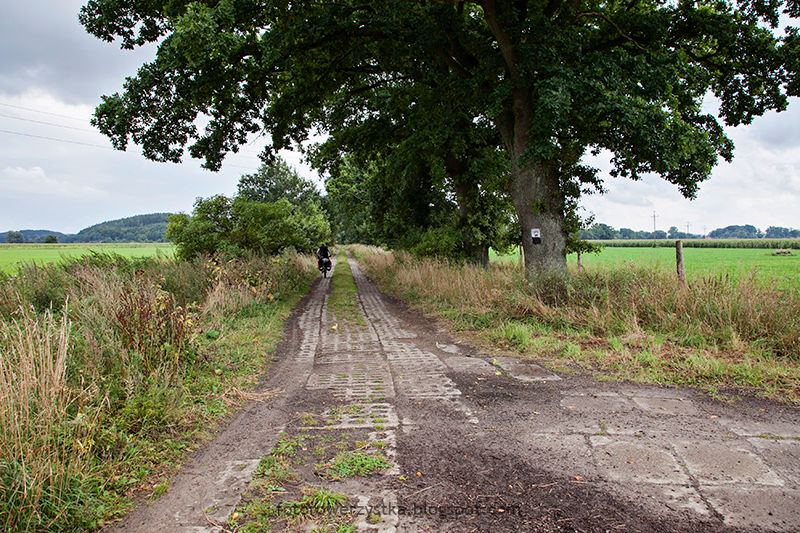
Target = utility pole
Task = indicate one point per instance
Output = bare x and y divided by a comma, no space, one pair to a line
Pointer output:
687,227
654,225
704,231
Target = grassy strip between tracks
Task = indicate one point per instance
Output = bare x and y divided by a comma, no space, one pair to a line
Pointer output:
112,370
291,489
725,334
343,300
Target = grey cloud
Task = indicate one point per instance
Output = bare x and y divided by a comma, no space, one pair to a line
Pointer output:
44,46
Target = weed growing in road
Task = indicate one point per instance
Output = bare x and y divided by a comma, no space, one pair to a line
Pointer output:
351,464
286,492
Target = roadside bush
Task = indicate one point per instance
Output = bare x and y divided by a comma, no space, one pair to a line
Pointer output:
235,227
442,242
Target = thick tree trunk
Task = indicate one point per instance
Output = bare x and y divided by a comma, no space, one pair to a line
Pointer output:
539,204
536,193
467,194
535,188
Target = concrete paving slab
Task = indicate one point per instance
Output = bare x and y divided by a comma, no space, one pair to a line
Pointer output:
749,428
638,460
526,371
355,416
470,365
718,464
771,509
654,391
679,498
782,456
669,406
558,447
449,348
609,404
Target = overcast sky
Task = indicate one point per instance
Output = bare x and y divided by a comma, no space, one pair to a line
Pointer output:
57,173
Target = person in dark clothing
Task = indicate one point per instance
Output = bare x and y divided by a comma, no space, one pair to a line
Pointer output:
322,252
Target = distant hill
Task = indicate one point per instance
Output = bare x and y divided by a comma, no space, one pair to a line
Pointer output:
139,228
35,235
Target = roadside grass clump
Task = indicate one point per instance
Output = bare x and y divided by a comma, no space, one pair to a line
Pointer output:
631,321
112,369
48,433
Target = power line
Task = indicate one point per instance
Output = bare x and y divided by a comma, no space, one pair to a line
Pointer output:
53,139
92,145
78,129
47,123
43,112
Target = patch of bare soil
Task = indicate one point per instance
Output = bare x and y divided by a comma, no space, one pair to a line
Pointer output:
459,477
481,481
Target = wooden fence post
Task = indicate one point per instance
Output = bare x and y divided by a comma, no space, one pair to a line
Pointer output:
679,266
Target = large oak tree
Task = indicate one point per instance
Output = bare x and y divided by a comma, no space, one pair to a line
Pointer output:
556,78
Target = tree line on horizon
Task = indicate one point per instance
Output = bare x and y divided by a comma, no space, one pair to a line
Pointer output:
601,232
355,211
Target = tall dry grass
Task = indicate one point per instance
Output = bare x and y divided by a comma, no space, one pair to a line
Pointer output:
722,311
91,392
241,283
46,437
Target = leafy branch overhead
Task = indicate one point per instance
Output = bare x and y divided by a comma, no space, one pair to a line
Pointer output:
552,80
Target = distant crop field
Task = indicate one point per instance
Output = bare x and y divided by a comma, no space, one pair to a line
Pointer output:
698,261
11,255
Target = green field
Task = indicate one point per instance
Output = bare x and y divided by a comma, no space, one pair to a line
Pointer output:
11,255
698,261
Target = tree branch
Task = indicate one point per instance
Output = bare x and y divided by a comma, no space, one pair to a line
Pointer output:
491,16
460,71
608,19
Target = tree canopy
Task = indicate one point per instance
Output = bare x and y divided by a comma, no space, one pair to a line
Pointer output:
275,181
554,79
14,237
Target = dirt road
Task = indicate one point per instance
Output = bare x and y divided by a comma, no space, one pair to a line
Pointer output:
480,444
